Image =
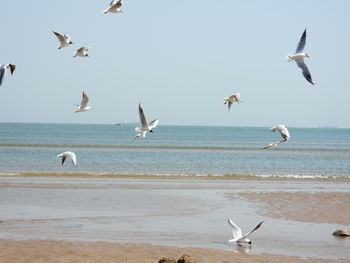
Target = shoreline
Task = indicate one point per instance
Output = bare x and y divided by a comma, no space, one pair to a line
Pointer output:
90,252
233,177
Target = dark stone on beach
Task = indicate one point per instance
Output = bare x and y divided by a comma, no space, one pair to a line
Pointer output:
341,233
167,260
185,259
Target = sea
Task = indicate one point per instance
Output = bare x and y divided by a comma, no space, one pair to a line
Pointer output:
174,151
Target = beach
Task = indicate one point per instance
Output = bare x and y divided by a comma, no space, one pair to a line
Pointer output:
56,218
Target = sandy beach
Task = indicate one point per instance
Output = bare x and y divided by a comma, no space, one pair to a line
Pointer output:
67,219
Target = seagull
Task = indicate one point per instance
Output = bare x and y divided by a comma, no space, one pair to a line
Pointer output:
3,68
114,7
83,104
69,154
238,237
139,135
282,129
81,52
65,40
299,56
233,98
144,126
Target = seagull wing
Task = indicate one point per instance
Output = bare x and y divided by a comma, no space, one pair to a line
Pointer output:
229,105
84,101
153,124
73,157
12,68
284,132
60,37
113,3
82,50
2,74
256,228
302,42
67,38
306,73
142,117
64,157
236,231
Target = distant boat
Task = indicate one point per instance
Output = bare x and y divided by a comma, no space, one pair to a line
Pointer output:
121,123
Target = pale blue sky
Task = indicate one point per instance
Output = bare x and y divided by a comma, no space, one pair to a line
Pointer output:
180,59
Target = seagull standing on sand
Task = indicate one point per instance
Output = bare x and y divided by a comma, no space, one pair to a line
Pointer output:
299,56
69,154
144,128
233,98
65,40
282,129
3,68
83,104
114,7
81,52
238,237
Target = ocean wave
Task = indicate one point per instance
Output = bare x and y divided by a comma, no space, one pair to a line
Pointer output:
181,175
174,147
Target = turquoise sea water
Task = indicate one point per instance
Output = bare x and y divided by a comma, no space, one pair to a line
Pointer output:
174,150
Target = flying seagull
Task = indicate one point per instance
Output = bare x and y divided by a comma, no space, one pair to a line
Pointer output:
233,98
282,129
114,7
69,154
299,56
144,128
83,104
3,68
65,40
81,52
139,135
238,237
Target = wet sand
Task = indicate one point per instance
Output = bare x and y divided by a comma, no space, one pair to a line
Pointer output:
49,251
144,219
331,208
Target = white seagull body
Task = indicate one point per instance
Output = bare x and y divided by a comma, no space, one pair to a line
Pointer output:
238,236
81,52
3,68
65,40
114,7
144,128
83,104
233,98
282,129
69,154
299,56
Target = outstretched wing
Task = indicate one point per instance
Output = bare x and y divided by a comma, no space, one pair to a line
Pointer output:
59,36
12,68
142,117
82,49
2,74
113,3
306,73
64,157
73,157
153,124
301,44
236,231
84,101
229,105
256,228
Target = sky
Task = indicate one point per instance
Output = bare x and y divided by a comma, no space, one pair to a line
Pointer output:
180,59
